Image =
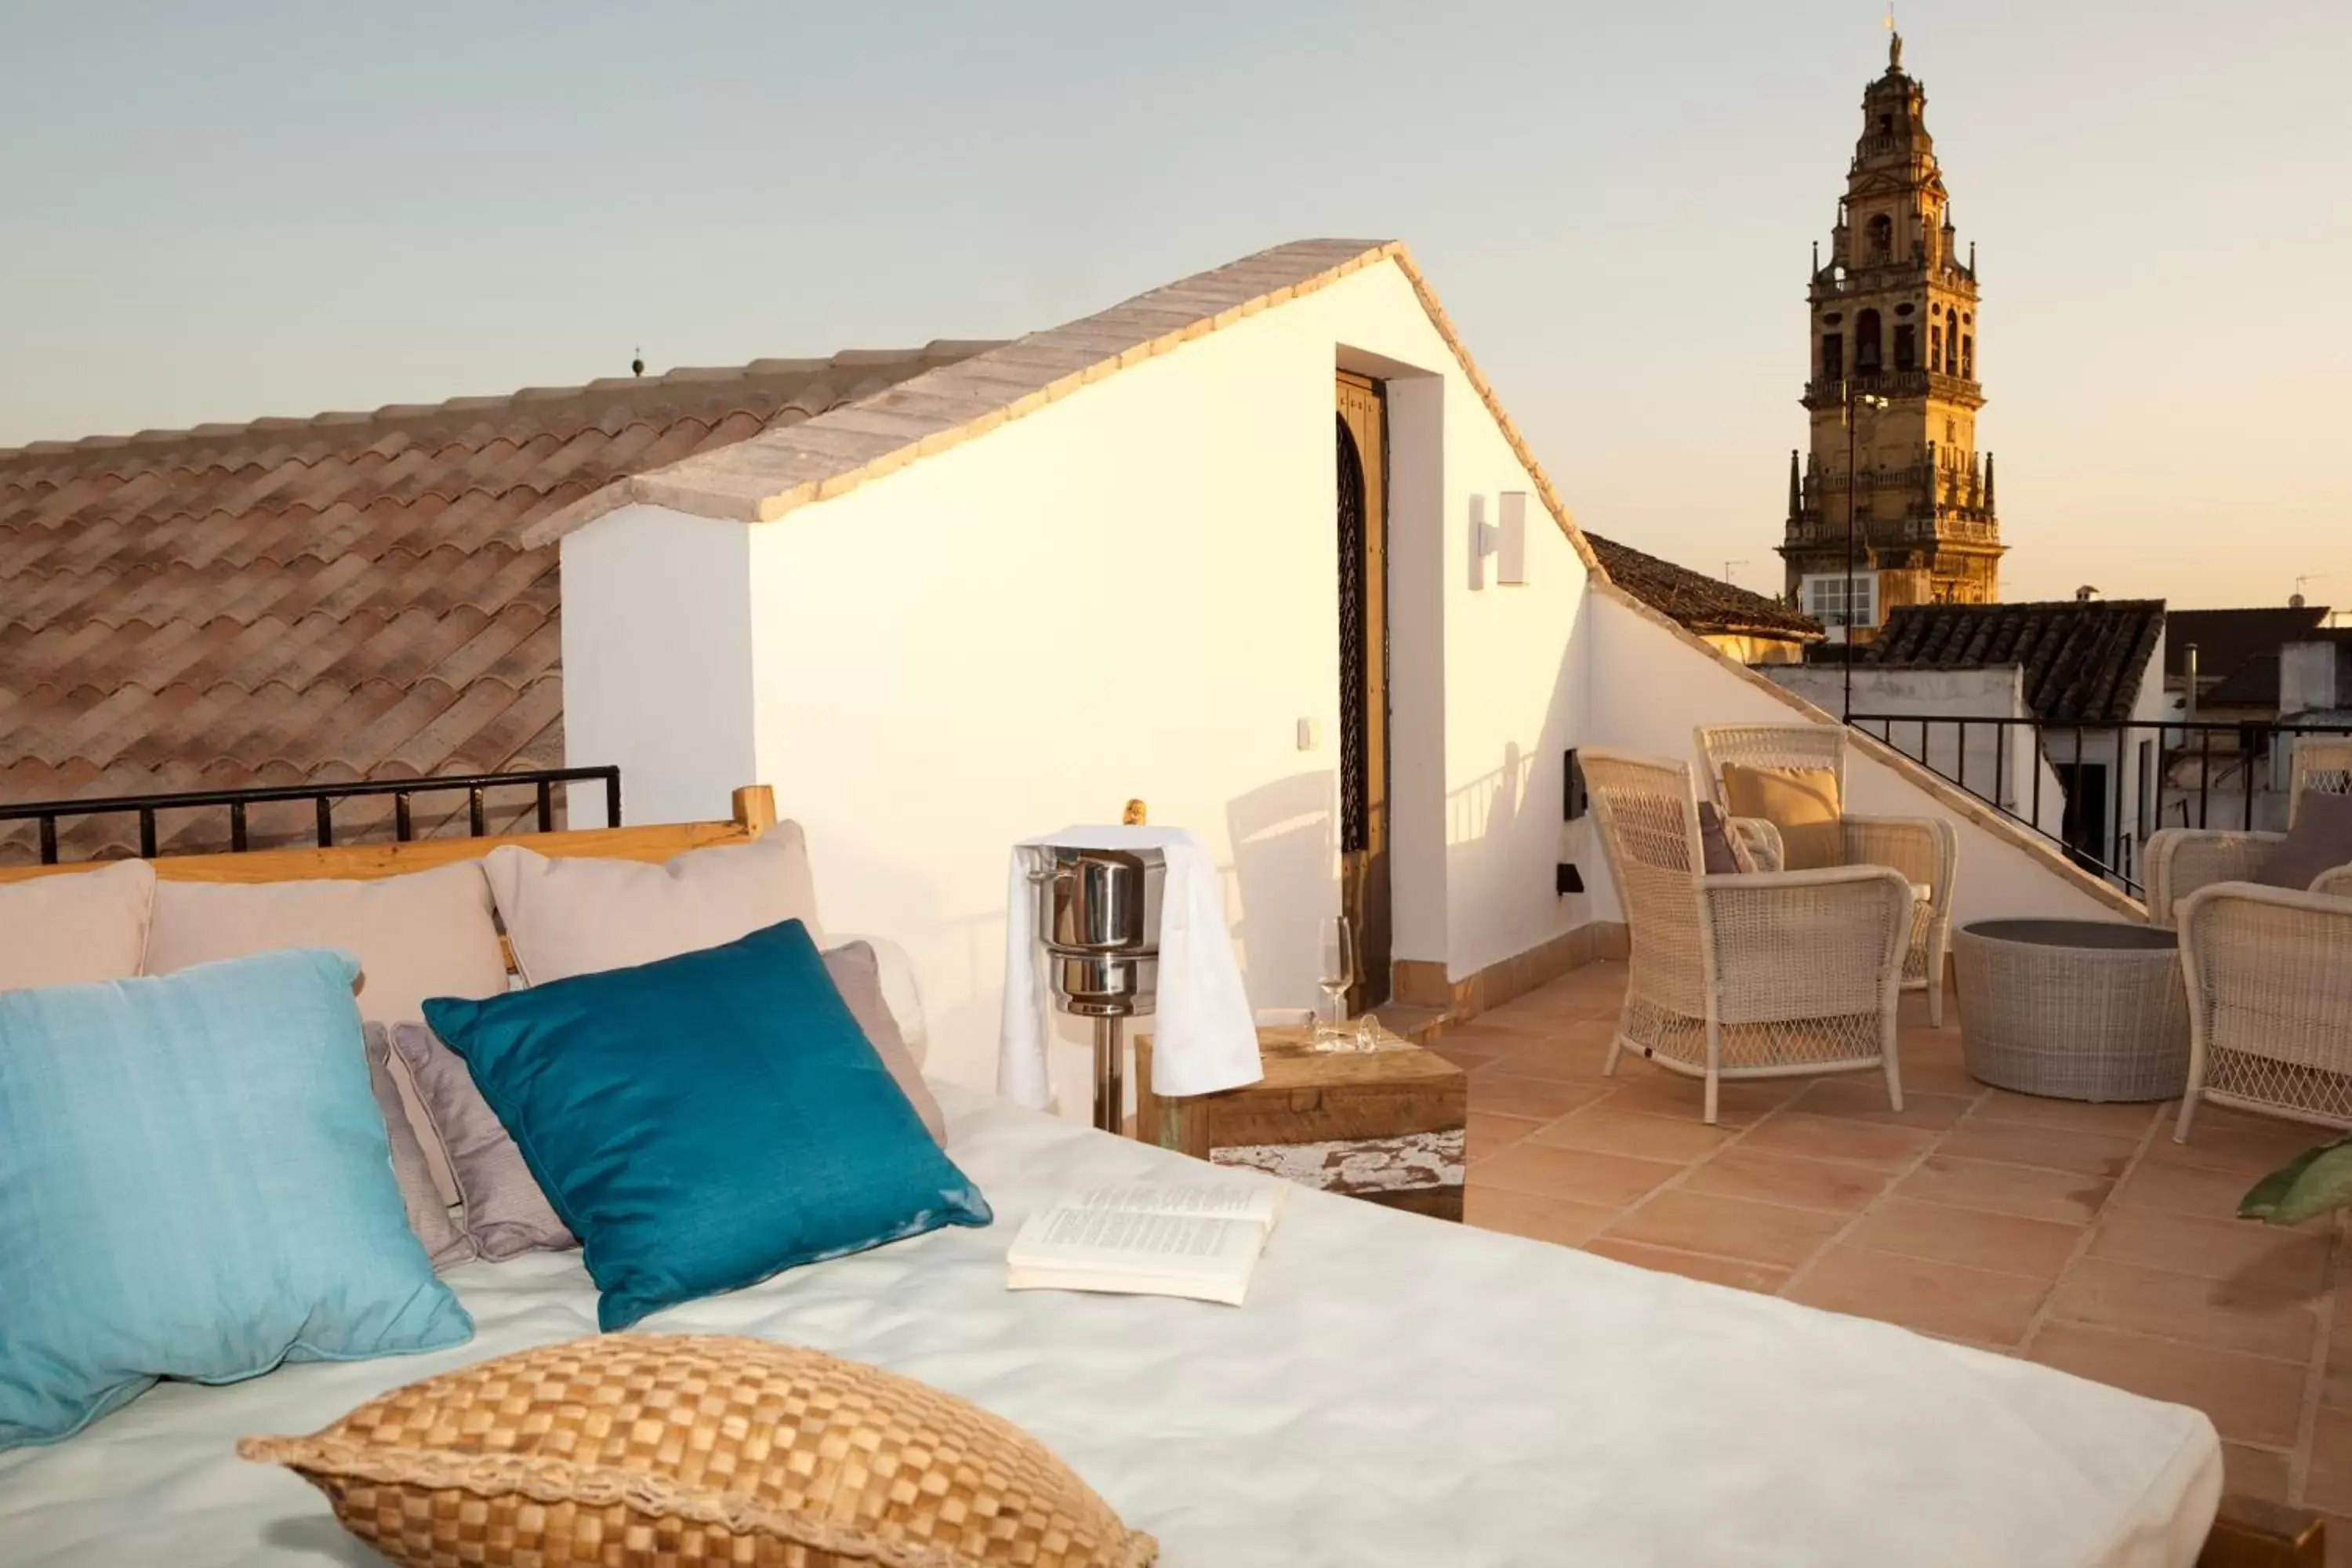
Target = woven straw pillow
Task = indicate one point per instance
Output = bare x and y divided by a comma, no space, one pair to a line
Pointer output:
669,1449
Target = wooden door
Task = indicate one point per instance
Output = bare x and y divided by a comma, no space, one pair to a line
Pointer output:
1363,541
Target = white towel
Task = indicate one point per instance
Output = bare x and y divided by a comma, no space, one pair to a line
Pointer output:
1203,1035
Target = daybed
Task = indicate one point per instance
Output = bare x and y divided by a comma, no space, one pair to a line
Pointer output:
1397,1390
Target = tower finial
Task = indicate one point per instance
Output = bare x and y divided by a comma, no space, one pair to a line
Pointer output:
1893,40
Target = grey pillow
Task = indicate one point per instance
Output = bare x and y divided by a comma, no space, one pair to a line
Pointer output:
1715,841
857,974
2319,840
444,1242
506,1214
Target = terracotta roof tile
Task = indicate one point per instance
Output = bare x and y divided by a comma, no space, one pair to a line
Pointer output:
2083,659
330,598
1701,604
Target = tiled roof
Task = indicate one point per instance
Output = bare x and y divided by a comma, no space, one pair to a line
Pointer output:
330,598
1707,605
2226,639
760,481
2083,659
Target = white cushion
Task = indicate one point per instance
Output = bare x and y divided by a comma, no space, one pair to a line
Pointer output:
580,915
75,926
428,934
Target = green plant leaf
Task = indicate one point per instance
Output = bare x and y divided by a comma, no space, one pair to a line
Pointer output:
2316,1182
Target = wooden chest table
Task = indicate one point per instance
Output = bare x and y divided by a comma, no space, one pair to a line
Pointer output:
1386,1126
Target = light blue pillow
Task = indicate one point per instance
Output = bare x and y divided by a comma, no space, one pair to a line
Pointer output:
703,1122
195,1183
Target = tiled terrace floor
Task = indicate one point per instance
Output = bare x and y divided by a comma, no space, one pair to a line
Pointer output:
2077,1235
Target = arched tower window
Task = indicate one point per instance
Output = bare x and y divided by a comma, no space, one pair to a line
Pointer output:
1969,356
1865,344
1881,237
1935,346
1906,346
1832,355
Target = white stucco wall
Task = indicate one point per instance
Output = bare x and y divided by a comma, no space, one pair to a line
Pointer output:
1649,693
1129,593
658,670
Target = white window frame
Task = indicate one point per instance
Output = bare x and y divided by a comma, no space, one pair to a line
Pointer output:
1822,595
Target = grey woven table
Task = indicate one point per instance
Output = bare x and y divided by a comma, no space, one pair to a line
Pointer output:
2073,1009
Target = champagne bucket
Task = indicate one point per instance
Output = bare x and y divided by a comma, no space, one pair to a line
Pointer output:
1099,911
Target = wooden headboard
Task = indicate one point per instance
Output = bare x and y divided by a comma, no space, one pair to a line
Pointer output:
755,813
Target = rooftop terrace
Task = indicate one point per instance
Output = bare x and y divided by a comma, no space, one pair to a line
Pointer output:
2075,1234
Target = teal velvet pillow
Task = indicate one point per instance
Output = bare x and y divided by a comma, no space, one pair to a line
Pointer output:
703,1122
195,1183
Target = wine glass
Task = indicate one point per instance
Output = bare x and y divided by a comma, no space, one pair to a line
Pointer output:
1338,971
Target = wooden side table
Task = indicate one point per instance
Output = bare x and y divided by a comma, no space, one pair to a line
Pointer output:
1386,1126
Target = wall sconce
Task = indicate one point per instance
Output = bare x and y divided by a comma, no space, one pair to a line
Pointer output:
1505,540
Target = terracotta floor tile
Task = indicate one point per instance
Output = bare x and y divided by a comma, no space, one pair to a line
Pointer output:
1466,1057
1561,1220
1653,1092
2328,1484
1609,1131
2038,1248
1491,1131
1939,1298
1738,1171
2249,1400
2050,1148
2283,1264
1729,1271
2179,1307
2081,1116
2255,1472
1936,1074
2338,1536
1859,1100
1881,1147
2248,1147
2182,1189
2018,1190
1515,1094
1532,1057
1769,1234
1612,1180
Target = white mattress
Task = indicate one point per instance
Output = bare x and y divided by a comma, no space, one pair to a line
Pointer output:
1398,1390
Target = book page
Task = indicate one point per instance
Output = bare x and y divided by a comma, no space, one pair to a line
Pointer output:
1117,1240
1257,1202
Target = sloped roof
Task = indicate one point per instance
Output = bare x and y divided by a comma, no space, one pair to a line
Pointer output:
1707,605
785,468
2083,659
2226,639
331,598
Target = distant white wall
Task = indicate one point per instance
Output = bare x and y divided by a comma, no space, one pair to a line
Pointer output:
658,670
1649,694
1992,761
1133,593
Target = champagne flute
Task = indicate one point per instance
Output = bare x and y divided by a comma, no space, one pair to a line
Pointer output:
1338,971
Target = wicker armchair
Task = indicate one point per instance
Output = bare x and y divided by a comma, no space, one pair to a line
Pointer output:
1926,850
1759,975
2270,999
2180,860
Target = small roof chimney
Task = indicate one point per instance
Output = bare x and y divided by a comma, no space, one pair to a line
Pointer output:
2086,594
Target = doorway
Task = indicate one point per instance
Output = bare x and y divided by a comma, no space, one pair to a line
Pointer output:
1364,548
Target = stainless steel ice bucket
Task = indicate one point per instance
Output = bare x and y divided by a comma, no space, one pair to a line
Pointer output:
1098,911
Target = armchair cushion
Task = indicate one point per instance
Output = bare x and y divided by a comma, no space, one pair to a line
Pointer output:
1803,802
1725,852
2320,840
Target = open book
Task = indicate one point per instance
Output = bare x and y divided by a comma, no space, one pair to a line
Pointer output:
1199,1241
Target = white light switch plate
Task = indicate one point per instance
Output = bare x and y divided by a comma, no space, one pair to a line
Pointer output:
1310,734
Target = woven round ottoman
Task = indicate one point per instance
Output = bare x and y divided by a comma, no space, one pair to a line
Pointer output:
2073,1009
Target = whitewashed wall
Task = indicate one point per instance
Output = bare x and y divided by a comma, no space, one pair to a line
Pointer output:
1648,694
1129,593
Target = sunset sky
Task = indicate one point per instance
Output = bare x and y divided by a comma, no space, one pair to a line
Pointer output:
230,210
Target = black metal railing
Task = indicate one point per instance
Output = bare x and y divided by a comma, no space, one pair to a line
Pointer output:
323,798
2117,783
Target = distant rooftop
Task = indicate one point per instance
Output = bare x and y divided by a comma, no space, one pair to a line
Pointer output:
1703,604
2083,659
346,596
2226,640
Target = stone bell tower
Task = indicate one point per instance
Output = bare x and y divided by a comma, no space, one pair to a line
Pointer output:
1892,392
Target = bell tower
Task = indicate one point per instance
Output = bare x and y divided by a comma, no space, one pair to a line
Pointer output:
1895,481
